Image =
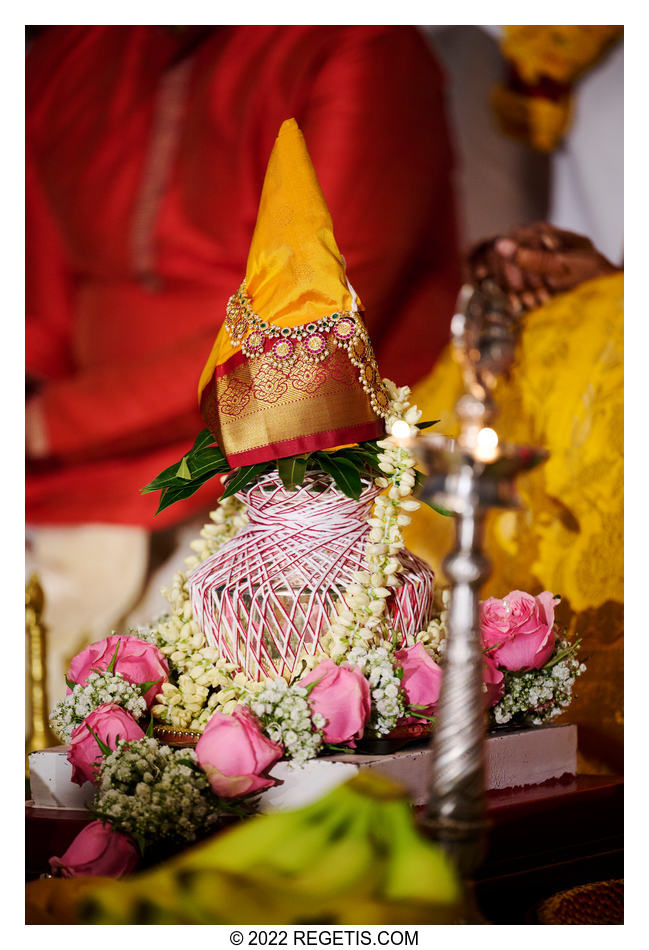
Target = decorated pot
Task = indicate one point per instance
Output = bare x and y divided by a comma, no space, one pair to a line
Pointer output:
269,595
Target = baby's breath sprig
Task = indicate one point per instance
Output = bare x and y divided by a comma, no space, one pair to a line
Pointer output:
101,686
155,793
377,664
537,696
286,718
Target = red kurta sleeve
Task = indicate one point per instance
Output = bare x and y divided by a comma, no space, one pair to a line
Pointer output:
126,406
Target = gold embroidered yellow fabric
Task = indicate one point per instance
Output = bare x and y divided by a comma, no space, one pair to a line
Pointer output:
258,403
292,368
565,394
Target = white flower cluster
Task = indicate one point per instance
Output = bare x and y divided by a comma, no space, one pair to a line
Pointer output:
100,688
377,666
286,717
362,619
540,695
154,793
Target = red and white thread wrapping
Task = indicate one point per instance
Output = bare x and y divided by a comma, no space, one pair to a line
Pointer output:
270,593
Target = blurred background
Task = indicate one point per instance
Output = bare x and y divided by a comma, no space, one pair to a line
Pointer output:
442,151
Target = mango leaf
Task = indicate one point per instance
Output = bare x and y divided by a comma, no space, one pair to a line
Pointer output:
174,475
202,439
166,478
344,473
183,470
242,478
427,425
292,470
210,459
172,494
366,459
369,447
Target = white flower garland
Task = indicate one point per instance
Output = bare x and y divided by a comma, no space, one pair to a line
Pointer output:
362,621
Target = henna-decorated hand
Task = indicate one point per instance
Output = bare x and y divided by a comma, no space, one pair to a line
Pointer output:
533,263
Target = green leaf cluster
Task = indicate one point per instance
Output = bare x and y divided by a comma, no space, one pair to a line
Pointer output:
346,467
184,478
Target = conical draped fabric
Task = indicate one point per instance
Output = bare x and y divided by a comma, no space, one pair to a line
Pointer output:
292,369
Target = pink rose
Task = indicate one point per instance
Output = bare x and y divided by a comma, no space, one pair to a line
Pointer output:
342,696
137,661
97,850
422,677
109,722
494,682
519,628
233,752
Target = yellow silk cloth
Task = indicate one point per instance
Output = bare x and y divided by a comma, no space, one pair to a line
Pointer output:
258,407
295,272
565,394
560,54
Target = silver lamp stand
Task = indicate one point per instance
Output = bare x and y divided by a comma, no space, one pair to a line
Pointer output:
468,476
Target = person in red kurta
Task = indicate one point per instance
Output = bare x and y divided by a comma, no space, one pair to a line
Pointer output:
146,149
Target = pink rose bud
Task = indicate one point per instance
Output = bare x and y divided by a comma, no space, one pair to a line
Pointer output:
342,696
233,752
109,722
97,850
493,680
422,677
137,661
519,628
